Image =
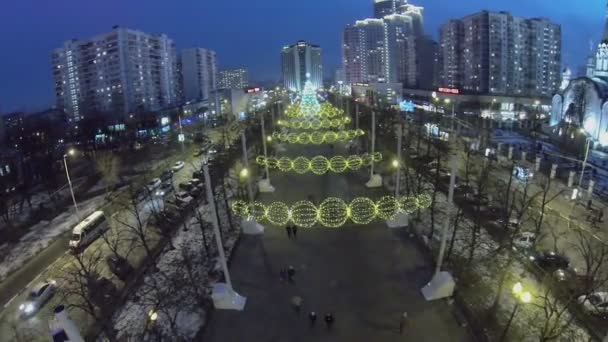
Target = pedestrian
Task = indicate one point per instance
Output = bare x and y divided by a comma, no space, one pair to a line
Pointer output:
291,272
402,323
296,301
600,216
294,231
589,203
288,230
312,317
329,320
283,274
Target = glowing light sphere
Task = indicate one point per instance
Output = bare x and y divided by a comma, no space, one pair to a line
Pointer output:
292,138
304,214
284,164
317,138
257,210
424,201
240,208
408,204
386,208
319,165
278,213
362,210
337,164
333,212
301,165
354,162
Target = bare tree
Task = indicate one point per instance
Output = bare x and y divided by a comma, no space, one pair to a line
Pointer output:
108,165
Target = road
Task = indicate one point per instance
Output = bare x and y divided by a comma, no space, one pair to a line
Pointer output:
366,275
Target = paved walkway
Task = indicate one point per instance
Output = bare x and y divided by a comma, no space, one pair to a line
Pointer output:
366,275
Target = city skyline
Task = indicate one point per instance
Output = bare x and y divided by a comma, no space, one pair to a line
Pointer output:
31,87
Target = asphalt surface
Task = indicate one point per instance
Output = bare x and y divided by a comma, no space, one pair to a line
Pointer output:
367,276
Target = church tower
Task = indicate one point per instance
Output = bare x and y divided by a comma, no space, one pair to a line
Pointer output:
601,56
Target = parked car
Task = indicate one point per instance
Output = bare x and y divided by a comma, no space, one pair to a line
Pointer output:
512,224
119,266
165,189
595,303
39,294
522,173
524,240
166,175
186,186
153,184
178,166
198,174
102,291
550,261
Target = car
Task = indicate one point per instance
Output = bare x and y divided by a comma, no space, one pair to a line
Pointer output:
153,184
166,175
512,224
522,173
524,240
198,174
119,266
178,166
38,295
550,261
186,186
102,291
595,302
165,189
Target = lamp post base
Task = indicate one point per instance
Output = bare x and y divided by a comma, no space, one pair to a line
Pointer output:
374,182
225,298
265,186
399,221
441,286
251,227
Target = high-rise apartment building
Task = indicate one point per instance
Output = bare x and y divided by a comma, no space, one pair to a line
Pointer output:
390,49
233,79
120,72
497,53
198,73
301,62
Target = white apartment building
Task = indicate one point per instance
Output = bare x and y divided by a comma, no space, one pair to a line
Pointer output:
121,71
233,79
301,62
198,73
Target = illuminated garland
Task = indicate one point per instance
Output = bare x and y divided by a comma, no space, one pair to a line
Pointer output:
327,111
309,105
332,212
319,165
314,124
317,138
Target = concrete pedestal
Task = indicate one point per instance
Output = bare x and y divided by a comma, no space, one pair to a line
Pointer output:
225,298
265,186
441,286
374,182
251,227
399,221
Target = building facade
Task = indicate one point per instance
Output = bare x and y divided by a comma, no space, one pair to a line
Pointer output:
198,73
121,71
233,79
301,62
390,48
497,53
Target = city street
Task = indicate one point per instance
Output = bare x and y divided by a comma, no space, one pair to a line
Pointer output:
367,276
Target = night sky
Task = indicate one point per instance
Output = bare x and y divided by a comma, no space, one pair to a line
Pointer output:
244,33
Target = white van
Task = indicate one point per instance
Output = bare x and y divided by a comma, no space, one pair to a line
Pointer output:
88,230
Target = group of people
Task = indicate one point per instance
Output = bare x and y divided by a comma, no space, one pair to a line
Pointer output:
292,231
312,316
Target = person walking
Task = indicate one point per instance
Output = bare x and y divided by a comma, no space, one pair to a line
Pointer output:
291,272
329,320
312,318
600,216
283,274
294,231
402,323
288,230
589,204
296,301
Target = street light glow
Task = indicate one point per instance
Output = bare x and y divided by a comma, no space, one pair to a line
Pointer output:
395,163
244,173
447,101
269,138
152,315
71,152
518,288
526,297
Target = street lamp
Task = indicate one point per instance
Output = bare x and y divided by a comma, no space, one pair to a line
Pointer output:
71,152
521,297
587,145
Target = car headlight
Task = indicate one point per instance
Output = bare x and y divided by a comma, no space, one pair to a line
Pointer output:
27,308
532,258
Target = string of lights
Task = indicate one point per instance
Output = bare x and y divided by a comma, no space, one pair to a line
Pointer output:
333,212
319,137
326,111
319,165
314,124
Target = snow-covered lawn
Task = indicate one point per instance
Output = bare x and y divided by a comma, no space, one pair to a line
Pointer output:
177,289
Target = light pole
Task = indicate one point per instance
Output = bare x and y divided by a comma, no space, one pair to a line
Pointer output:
587,147
521,296
264,184
71,152
249,224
